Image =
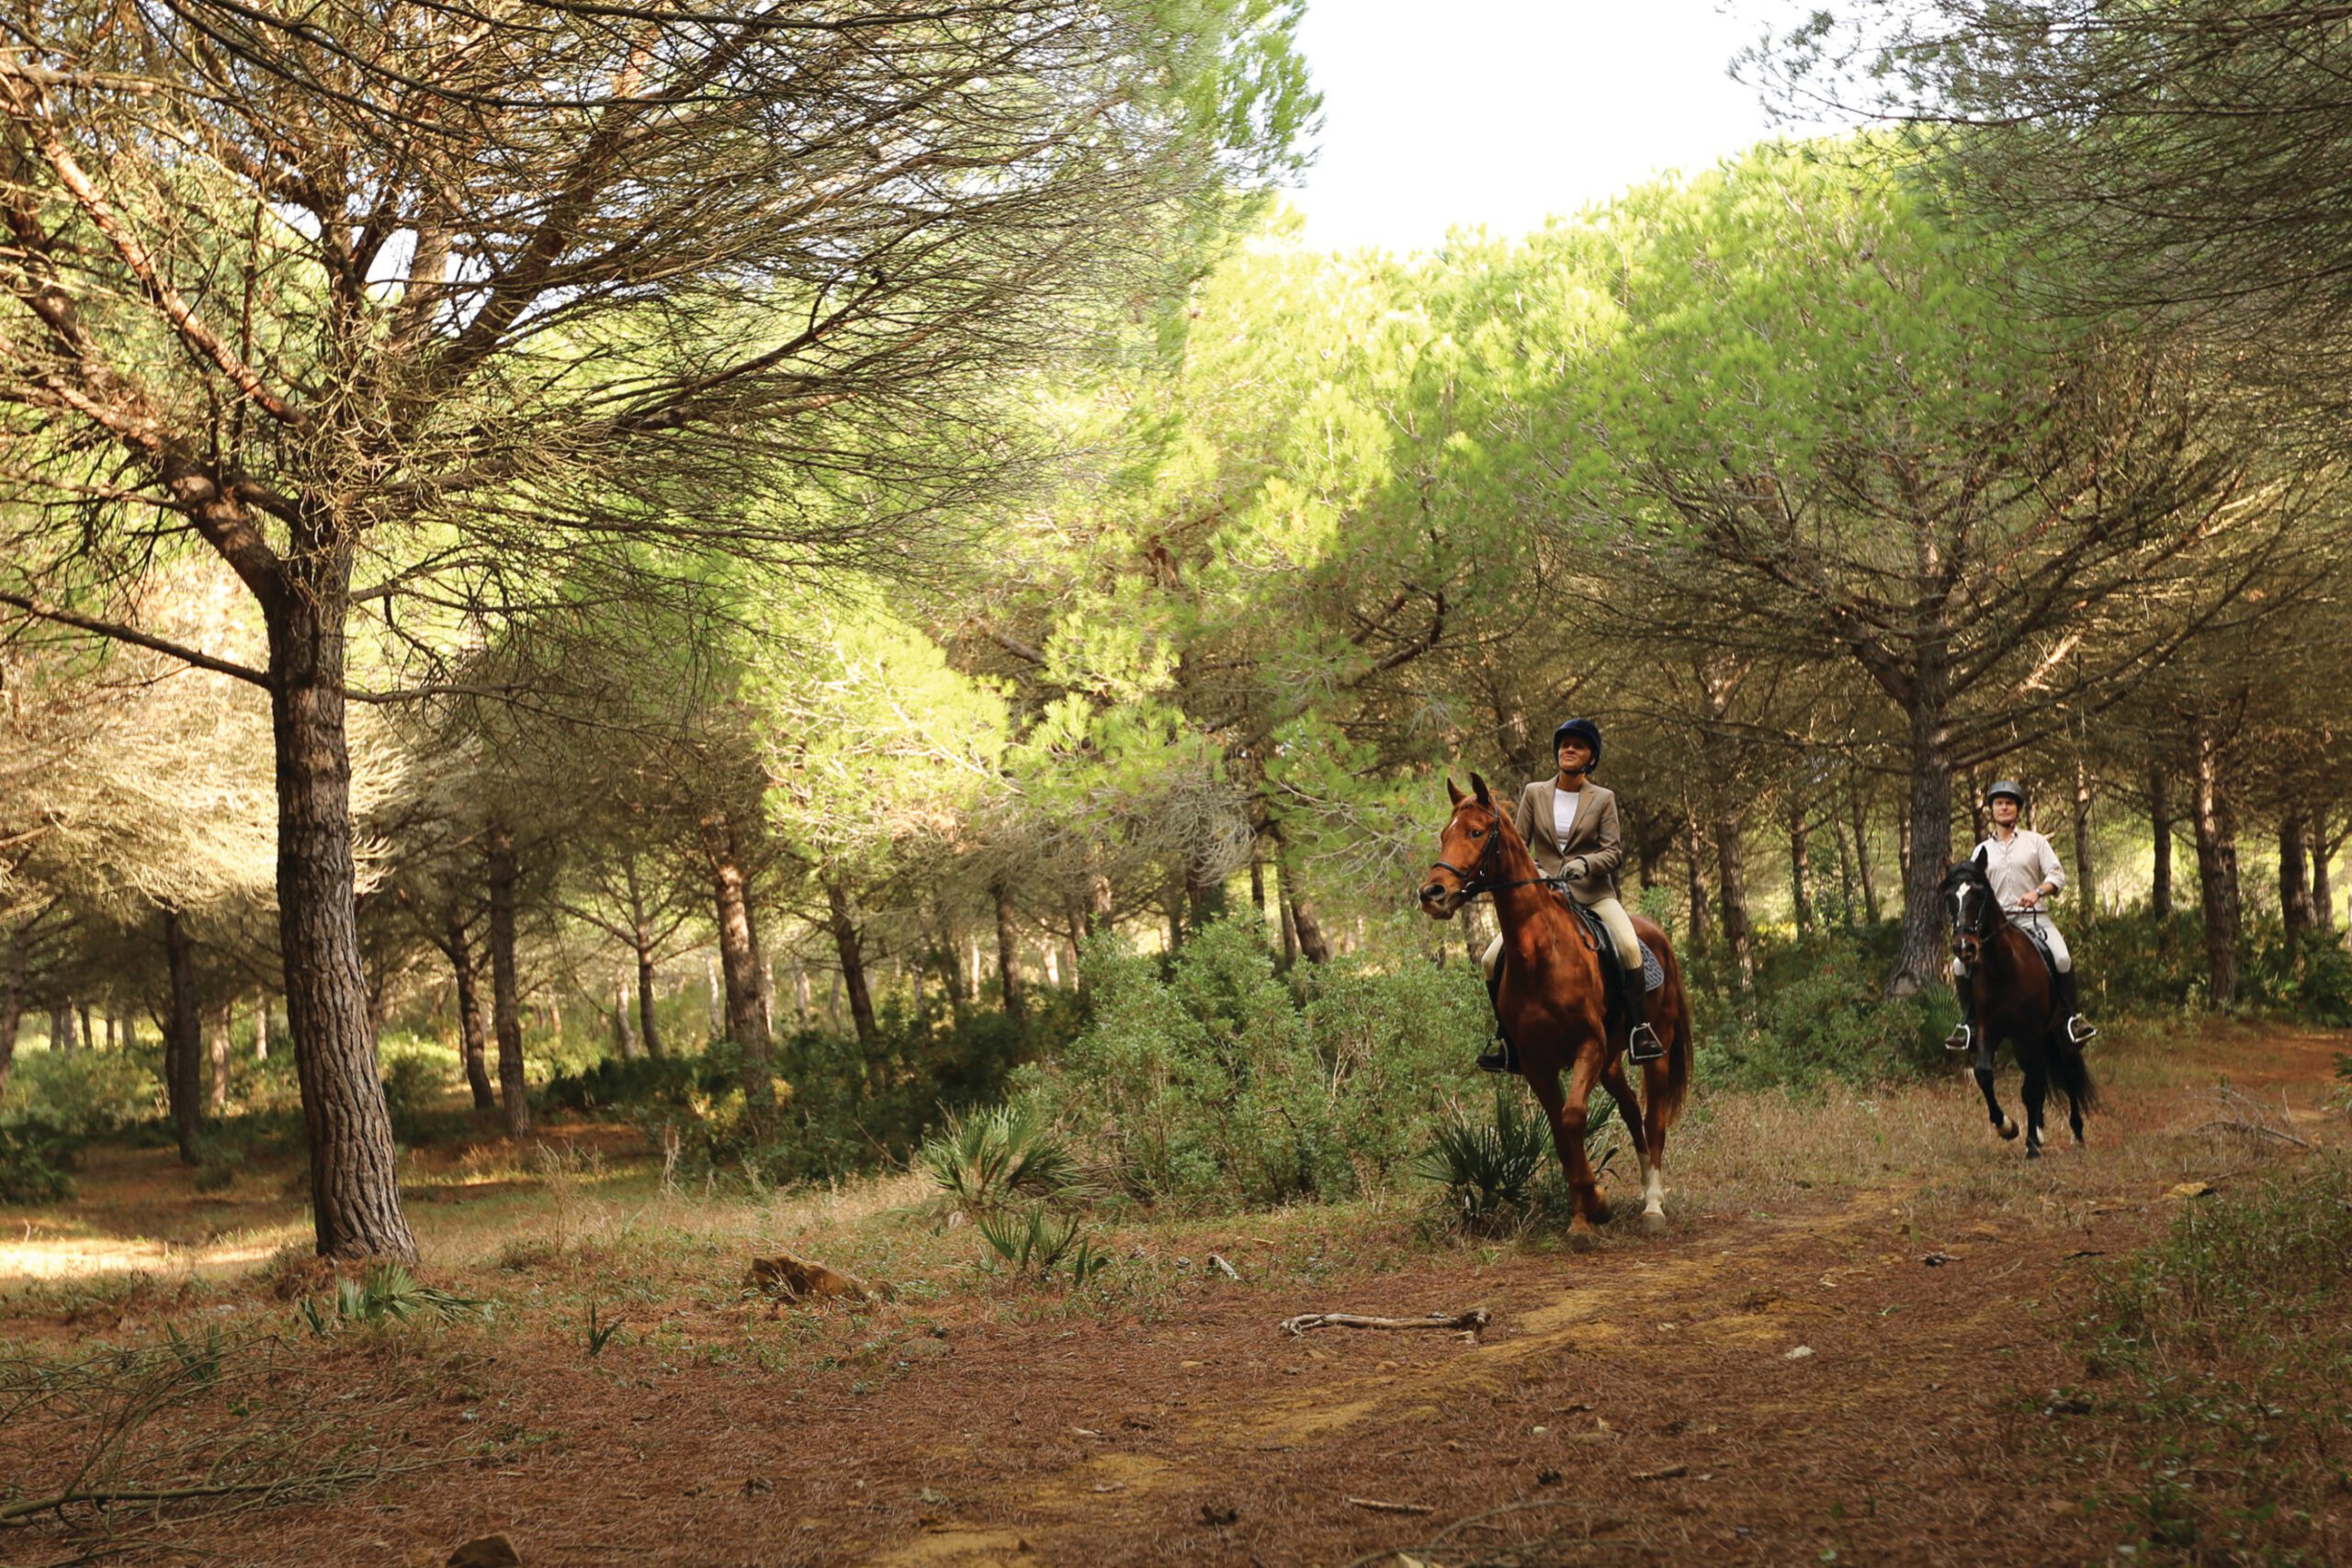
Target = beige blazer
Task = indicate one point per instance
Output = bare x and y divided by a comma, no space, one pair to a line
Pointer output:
1593,835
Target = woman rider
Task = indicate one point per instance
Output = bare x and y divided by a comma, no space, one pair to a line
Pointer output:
1570,826
2025,875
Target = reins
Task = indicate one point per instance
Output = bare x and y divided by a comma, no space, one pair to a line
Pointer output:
1483,880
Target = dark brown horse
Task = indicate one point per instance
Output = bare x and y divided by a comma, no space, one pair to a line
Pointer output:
2005,986
1555,1005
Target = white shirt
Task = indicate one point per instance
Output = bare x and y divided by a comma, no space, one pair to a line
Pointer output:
2020,866
1564,813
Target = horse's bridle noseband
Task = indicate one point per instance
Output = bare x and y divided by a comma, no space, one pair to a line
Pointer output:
1483,880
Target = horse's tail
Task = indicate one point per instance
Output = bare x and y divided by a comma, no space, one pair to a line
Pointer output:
2074,1073
1677,1057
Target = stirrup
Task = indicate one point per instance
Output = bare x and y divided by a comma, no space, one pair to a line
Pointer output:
2080,1031
1962,1038
1642,1044
1503,1058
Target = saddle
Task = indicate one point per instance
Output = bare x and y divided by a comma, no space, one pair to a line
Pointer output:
2041,945
1653,973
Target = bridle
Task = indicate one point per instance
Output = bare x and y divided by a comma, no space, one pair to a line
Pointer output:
1483,880
1967,936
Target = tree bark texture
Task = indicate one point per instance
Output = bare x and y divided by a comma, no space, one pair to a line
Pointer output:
1303,920
1921,963
1800,872
1731,893
355,1184
471,1047
2217,868
2322,892
1007,953
183,1038
2294,874
60,1027
738,953
506,985
2085,889
15,962
646,1029
1862,870
1694,854
849,943
261,1028
624,1029
218,1036
2160,842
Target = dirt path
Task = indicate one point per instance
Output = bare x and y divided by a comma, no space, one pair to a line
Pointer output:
1784,1378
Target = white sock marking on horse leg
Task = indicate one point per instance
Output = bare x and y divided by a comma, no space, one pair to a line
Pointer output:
1653,1188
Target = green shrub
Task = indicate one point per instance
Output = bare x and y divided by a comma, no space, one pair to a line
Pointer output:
1819,1011
1207,1078
1488,1167
34,1159
84,1095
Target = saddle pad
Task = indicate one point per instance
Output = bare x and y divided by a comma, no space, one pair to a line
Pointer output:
1653,975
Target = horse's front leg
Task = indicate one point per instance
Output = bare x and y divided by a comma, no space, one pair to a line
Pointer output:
1567,1115
1984,1072
1647,1136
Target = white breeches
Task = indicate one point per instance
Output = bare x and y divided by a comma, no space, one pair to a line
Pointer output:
2040,924
1621,934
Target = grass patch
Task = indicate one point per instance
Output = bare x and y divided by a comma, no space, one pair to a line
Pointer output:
2221,1360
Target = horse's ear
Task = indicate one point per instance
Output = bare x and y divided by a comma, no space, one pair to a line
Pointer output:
1452,793
1980,860
1478,788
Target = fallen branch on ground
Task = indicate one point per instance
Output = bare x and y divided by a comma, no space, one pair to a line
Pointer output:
1377,1507
1468,1322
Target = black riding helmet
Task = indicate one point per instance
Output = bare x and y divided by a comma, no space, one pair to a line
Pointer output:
2009,787
1583,729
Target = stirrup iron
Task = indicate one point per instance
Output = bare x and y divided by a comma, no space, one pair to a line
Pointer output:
1642,1044
2080,1031
1962,1038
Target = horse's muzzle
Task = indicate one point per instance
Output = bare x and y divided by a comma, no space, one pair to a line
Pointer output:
1438,901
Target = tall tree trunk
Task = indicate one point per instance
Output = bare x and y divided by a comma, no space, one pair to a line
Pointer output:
1258,883
1204,895
471,1047
1863,857
1173,901
646,1027
1695,854
1008,956
800,999
182,1039
218,1037
2294,874
355,1182
849,943
2217,867
1309,929
505,987
261,1027
1731,892
2160,842
1846,904
60,1027
624,1030
1800,870
15,962
714,996
2086,865
738,953
2322,892
1921,963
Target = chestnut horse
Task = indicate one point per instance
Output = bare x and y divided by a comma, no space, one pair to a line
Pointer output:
2007,994
1553,1002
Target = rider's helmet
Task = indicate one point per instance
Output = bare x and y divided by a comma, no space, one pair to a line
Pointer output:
1583,729
2009,787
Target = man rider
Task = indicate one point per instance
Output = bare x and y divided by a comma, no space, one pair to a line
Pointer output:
1570,826
2025,875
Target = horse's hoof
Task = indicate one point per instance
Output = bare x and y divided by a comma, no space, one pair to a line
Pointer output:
2009,1129
2033,1151
1653,1223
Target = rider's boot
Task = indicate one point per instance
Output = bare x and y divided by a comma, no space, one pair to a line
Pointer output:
1504,1057
1642,1043
2080,1031
1963,1034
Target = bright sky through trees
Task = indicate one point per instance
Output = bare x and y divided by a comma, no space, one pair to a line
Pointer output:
1503,112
